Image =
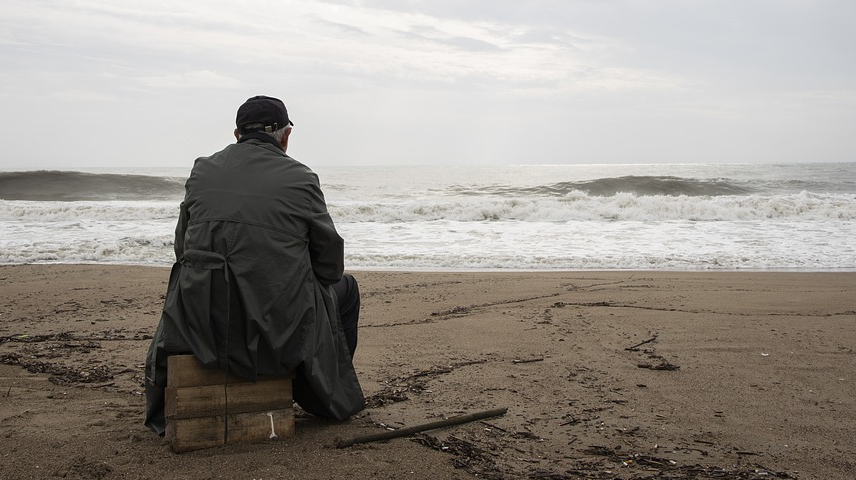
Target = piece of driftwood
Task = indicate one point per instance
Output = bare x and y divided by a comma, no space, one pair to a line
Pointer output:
403,432
528,360
634,347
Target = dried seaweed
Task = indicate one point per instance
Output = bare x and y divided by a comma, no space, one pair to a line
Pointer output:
60,374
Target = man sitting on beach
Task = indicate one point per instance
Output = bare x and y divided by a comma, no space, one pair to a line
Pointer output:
258,287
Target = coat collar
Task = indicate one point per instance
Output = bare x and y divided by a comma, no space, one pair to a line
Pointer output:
260,136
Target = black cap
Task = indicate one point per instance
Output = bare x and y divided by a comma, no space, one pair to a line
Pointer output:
260,113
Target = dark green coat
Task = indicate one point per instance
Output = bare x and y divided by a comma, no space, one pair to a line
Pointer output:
256,252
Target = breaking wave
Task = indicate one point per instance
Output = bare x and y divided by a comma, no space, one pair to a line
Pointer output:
51,185
606,187
580,206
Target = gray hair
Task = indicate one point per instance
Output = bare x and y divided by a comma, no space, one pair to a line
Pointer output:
276,134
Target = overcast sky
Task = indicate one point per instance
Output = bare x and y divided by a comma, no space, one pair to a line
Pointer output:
384,82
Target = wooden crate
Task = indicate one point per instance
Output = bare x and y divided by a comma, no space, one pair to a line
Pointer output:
206,408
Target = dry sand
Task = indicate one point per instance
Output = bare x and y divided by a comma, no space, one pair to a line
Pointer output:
743,375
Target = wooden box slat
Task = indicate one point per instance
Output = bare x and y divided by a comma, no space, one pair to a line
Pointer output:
186,371
186,434
185,402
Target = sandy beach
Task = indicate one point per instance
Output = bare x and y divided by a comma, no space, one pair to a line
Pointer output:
605,375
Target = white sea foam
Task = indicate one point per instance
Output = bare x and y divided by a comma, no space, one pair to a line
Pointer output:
783,217
683,245
581,206
30,211
577,206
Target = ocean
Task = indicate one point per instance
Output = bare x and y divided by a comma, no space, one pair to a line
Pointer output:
450,218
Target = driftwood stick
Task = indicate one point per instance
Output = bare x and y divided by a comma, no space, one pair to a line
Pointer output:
634,347
403,432
528,360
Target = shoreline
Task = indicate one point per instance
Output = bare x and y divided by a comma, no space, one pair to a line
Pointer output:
737,372
492,270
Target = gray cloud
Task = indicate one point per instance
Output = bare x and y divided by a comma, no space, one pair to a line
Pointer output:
582,76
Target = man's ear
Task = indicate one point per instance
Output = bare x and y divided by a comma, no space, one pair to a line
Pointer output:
237,134
284,142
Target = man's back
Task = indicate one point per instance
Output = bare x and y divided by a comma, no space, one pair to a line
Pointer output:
261,206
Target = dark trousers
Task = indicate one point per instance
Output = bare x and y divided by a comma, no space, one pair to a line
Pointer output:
348,300
348,297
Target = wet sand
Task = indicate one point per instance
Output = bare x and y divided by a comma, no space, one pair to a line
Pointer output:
639,374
